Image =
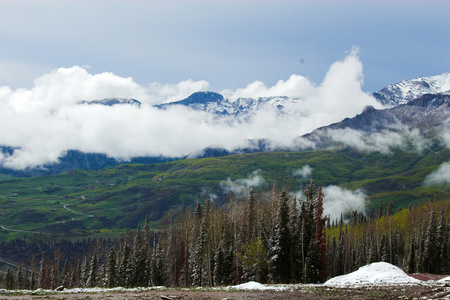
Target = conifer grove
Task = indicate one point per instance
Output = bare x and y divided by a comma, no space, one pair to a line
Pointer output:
266,237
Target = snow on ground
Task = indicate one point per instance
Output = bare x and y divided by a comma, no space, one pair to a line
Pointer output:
380,273
445,279
253,285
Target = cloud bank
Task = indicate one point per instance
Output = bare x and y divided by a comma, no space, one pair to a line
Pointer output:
44,122
385,141
339,201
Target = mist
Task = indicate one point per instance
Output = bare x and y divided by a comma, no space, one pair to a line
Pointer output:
241,187
337,201
44,122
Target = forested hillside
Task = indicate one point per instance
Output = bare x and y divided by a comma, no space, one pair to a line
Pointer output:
266,237
104,203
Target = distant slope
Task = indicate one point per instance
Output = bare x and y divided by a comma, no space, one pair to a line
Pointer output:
81,203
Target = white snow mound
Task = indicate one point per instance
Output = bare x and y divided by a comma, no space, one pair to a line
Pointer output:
380,273
256,286
445,279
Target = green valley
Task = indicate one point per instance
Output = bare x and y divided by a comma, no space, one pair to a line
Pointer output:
108,202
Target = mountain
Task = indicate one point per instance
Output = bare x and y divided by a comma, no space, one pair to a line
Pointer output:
215,103
113,101
420,103
406,90
429,114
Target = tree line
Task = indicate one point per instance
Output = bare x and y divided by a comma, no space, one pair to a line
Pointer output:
269,237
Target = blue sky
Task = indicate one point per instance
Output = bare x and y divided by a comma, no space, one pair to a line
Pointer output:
229,44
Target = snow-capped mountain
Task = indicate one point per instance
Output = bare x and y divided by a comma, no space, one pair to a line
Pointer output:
215,103
390,96
406,90
113,101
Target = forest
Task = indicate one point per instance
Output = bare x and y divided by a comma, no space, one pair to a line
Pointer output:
269,237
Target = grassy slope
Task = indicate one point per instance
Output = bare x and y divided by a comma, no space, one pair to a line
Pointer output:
109,200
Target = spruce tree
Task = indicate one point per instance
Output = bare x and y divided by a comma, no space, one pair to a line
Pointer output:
280,255
110,279
93,272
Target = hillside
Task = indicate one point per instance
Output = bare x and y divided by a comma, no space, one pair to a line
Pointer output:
80,203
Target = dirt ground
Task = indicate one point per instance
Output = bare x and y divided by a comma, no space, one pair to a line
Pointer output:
316,292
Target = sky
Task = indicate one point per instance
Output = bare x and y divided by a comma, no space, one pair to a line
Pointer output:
228,44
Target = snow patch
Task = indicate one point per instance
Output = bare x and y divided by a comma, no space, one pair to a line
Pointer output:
445,279
256,286
380,273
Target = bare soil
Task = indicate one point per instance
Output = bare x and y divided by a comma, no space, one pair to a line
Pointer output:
308,292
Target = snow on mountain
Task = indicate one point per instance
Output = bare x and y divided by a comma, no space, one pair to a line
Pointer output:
406,90
217,104
380,273
113,101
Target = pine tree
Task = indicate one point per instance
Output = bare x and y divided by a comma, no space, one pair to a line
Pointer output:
93,272
84,272
126,267
139,261
110,279
19,278
320,235
280,256
9,280
430,254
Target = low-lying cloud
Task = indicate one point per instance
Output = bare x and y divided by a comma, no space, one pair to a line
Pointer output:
401,137
44,122
241,187
304,172
442,174
339,201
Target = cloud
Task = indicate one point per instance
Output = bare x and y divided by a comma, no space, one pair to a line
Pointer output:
304,172
240,187
45,121
165,93
399,137
440,176
339,201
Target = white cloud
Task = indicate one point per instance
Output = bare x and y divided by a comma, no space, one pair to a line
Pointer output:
164,93
339,201
304,172
242,186
440,176
384,141
45,120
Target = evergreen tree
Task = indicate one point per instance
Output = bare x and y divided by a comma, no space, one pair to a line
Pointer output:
110,279
84,272
139,261
9,280
93,272
430,255
280,256
320,235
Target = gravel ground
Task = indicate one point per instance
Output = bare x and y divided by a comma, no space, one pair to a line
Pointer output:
434,291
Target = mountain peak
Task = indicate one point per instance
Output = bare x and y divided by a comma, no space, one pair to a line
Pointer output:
406,90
